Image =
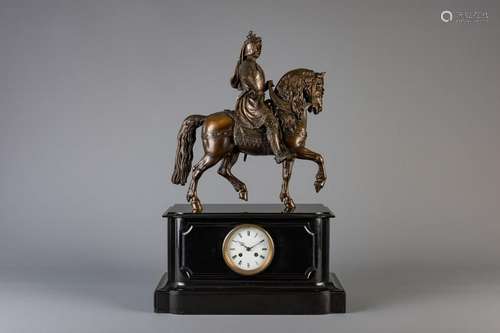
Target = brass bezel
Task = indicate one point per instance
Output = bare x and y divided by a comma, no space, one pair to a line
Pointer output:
232,265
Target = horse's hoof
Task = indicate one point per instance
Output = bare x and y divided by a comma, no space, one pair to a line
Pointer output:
318,185
243,195
289,204
289,208
196,205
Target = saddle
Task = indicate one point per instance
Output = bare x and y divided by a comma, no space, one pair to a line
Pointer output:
250,138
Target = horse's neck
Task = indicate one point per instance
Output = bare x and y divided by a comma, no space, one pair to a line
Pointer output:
303,112
303,117
301,122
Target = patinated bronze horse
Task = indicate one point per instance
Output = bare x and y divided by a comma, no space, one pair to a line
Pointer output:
297,92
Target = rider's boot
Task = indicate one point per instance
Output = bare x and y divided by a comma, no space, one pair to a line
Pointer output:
280,151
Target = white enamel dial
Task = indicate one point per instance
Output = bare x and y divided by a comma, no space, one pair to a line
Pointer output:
248,249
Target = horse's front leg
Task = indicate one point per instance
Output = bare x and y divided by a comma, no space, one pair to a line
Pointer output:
307,154
284,195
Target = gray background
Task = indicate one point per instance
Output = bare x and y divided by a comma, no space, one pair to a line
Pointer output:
91,97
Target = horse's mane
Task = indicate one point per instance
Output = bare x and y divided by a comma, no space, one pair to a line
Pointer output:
294,81
291,89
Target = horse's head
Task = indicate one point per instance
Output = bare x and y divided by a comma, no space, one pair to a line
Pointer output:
300,89
313,93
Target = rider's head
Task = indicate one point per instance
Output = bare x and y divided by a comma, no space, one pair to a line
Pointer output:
252,46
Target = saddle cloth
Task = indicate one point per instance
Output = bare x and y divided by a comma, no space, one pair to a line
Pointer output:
251,138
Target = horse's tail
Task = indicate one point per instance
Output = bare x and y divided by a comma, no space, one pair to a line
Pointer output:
185,142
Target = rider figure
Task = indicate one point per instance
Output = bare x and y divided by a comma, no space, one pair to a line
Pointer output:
251,109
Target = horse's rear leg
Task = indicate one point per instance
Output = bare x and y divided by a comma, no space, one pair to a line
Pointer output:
205,163
225,171
306,154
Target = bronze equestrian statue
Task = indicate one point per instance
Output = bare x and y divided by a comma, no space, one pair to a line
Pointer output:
276,126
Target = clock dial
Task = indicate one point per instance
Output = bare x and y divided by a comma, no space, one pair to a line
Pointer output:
248,249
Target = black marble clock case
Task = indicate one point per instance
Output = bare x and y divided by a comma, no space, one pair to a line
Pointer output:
298,280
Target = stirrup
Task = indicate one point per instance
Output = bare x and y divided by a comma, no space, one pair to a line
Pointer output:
284,156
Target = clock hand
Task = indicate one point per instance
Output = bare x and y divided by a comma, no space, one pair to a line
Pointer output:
243,244
251,247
